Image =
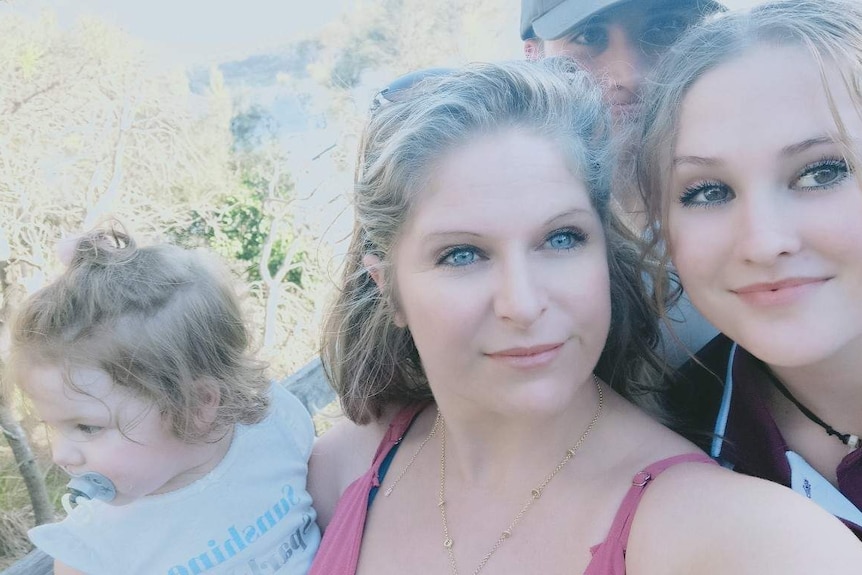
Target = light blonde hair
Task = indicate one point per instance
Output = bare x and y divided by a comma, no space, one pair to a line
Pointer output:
161,321
830,30
371,362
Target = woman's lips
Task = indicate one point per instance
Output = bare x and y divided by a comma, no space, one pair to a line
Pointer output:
782,292
528,357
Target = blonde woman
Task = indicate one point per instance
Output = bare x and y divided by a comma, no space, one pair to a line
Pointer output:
749,165
489,329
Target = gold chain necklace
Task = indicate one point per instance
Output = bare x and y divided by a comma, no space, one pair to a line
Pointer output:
449,543
416,453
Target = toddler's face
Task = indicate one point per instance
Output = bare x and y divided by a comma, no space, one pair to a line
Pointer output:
103,428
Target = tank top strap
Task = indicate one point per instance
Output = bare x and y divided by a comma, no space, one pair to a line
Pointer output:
338,553
622,524
395,433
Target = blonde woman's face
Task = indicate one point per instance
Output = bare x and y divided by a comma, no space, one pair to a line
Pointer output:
502,277
765,214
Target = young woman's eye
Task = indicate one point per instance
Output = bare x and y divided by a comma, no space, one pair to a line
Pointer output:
706,194
459,256
594,36
565,239
822,174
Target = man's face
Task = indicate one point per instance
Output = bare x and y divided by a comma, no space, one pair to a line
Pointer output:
620,46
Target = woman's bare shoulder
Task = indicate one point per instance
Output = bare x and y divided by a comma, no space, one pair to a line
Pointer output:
698,518
340,455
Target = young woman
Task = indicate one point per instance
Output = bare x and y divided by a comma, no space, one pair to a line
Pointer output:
758,199
473,338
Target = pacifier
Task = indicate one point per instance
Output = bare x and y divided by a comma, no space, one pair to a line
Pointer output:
89,486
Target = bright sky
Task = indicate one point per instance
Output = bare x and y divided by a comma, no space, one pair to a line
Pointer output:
195,30
203,31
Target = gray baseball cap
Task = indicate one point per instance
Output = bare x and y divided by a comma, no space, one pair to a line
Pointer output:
551,19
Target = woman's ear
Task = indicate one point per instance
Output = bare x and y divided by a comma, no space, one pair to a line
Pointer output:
374,267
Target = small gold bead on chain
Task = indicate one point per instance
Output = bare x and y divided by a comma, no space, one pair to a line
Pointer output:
449,543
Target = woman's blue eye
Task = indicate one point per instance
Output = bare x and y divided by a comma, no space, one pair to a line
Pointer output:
565,240
459,256
706,193
822,174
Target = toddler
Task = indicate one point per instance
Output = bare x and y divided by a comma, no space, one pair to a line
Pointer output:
184,459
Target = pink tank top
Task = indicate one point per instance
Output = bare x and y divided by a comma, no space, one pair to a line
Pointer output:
338,553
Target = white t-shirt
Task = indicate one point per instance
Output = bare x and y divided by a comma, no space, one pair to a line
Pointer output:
251,515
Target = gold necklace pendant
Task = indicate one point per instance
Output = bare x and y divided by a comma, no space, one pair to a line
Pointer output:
535,494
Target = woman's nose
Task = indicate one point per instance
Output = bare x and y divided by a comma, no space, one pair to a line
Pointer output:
520,297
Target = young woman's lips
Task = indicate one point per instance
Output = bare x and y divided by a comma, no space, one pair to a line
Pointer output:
528,357
779,293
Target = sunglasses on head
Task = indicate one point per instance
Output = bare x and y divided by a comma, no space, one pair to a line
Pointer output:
401,88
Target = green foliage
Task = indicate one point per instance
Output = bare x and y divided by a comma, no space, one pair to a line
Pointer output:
237,231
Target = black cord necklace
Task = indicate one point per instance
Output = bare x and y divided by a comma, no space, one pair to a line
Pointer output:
847,439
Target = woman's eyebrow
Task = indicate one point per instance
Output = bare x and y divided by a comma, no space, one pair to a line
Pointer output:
566,214
789,150
804,145
697,161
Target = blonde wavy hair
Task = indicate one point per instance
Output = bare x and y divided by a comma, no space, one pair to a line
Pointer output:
161,321
371,362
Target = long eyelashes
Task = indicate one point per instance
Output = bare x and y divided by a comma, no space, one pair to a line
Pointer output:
566,239
816,176
822,174
458,256
706,193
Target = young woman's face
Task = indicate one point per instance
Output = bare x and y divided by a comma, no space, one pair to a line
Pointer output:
765,214
501,275
110,431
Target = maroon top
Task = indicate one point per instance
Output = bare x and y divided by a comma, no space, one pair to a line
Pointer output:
752,443
339,550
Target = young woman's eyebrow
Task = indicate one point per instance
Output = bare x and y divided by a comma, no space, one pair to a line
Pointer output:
806,144
696,161
789,150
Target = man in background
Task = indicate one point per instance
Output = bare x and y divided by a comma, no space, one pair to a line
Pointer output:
618,41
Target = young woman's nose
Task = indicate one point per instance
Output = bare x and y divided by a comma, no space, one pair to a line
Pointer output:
765,229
